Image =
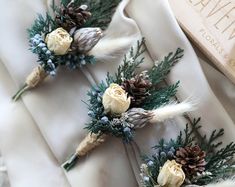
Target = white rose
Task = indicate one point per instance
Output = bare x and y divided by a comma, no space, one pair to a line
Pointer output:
171,174
59,41
115,99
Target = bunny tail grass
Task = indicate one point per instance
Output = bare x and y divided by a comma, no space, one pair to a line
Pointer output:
71,162
20,92
111,48
170,111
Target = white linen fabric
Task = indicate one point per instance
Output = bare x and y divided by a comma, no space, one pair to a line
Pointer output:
38,133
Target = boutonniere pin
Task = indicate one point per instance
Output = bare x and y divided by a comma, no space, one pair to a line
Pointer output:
65,38
129,100
190,159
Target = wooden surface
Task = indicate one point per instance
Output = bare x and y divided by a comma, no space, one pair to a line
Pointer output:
211,25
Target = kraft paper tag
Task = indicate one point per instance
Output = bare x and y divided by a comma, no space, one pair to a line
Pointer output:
211,25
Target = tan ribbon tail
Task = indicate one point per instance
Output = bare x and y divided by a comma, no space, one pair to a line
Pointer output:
90,142
35,77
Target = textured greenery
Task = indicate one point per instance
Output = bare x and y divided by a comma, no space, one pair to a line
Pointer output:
156,75
131,63
102,12
42,25
159,72
118,125
160,96
219,164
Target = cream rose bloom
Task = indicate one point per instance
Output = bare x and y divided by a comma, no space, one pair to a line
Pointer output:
171,175
59,41
115,99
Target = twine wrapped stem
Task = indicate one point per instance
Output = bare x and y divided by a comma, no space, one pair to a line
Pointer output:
90,142
35,77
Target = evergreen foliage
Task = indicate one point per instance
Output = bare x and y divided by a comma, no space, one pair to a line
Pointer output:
219,161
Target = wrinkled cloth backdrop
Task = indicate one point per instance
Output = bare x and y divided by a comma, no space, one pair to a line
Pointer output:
38,133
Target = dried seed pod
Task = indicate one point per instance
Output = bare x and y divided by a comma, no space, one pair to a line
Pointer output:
85,39
138,117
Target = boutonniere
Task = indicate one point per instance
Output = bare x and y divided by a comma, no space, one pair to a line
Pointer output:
190,159
66,38
129,100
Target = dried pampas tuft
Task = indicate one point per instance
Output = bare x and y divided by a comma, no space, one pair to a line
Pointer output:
171,110
111,48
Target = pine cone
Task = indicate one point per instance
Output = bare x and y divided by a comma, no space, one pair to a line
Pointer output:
137,88
192,160
71,16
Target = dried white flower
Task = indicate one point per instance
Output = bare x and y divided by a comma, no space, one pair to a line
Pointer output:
59,41
115,99
171,174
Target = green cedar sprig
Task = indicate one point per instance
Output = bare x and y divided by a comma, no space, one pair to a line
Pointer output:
42,25
131,63
160,71
157,74
160,96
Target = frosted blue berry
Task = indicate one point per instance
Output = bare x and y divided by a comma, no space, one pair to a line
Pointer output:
91,113
150,163
172,149
165,146
83,62
127,130
82,57
163,154
37,36
42,45
48,52
170,154
52,73
49,61
35,42
44,49
104,120
52,66
146,179
94,93
99,99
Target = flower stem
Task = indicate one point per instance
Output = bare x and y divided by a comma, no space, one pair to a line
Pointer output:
20,92
70,162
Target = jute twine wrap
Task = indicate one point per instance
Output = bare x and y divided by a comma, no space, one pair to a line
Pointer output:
89,143
37,75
